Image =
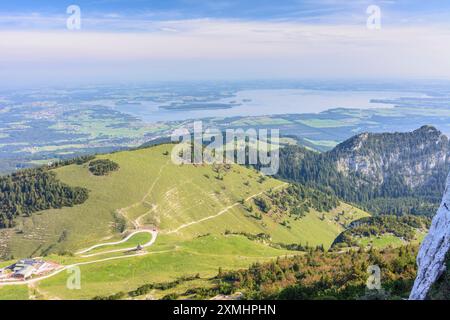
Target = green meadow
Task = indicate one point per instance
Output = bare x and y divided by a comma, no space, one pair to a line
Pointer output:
196,209
202,255
14,292
137,239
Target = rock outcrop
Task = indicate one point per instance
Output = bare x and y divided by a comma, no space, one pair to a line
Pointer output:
386,173
433,251
415,156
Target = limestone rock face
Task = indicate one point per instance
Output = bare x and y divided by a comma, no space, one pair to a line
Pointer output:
432,253
417,157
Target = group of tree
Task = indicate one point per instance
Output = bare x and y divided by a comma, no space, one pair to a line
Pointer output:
296,200
148,288
25,192
102,167
77,160
324,275
404,227
267,239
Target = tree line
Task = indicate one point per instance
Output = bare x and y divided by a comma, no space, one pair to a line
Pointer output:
296,200
102,167
324,275
393,196
31,190
404,227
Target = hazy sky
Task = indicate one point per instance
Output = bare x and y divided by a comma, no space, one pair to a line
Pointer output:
137,40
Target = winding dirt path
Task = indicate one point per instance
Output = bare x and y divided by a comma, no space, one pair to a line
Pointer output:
62,268
123,211
219,213
54,273
154,234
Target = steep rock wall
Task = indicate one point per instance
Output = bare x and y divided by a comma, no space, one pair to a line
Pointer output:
432,253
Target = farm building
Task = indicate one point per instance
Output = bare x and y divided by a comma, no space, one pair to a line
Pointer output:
26,268
24,272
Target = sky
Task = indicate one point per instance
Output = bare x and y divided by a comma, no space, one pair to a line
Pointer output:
137,40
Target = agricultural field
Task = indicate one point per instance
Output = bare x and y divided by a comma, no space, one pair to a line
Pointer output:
76,121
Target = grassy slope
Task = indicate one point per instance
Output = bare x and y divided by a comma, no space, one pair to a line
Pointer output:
390,240
138,239
14,293
149,187
172,195
382,241
202,255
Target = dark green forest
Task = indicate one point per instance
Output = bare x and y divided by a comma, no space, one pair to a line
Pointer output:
294,201
403,227
102,167
297,200
32,190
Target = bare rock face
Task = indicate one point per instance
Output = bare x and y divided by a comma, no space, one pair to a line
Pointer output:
432,253
416,156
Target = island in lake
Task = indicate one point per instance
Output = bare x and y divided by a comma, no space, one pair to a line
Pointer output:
199,106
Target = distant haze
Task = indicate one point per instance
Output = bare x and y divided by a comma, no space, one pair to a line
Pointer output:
123,41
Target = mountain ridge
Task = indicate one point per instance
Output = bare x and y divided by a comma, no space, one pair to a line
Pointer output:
401,168
365,148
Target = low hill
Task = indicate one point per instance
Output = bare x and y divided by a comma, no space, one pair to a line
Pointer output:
149,190
205,218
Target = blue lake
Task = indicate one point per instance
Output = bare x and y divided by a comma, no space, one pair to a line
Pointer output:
268,102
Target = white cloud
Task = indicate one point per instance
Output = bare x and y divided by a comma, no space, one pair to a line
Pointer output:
230,49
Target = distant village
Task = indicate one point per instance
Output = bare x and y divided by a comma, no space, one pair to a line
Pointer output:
25,269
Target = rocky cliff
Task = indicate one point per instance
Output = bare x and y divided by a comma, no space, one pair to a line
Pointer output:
415,156
433,251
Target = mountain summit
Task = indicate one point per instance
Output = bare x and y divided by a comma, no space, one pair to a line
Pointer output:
415,156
